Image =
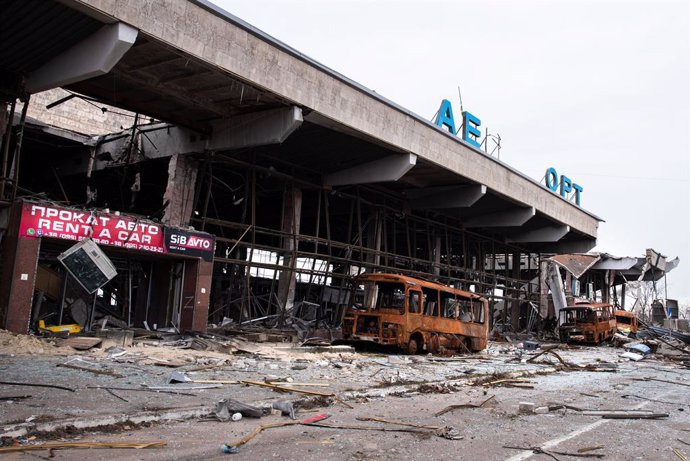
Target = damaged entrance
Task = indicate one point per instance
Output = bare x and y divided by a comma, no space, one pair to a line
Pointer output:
162,281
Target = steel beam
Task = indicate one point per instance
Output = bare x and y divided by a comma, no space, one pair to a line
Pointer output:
551,233
446,197
509,218
94,56
387,169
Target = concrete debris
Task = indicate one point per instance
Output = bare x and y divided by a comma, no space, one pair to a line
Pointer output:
526,407
286,408
280,383
226,410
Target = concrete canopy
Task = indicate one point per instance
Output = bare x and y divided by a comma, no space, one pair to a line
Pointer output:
196,66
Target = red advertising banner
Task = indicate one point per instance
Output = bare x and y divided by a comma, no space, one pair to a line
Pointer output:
39,220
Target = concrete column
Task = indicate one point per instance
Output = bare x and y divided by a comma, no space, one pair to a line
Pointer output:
179,193
196,293
544,310
569,298
17,276
515,304
606,291
437,256
374,232
292,210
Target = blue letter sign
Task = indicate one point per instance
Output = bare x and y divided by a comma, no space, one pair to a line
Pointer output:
567,185
471,124
552,179
445,116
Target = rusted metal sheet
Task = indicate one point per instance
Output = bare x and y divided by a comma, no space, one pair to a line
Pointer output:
575,263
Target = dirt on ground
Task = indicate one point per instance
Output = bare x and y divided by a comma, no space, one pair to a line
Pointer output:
506,403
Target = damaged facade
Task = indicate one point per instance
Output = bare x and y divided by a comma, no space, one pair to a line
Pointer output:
300,184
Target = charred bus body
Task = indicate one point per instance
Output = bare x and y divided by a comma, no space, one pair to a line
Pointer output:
586,323
626,322
415,315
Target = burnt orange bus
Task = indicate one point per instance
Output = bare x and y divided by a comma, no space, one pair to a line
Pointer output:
587,323
415,315
626,321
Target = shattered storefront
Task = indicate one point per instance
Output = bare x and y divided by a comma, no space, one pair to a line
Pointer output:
163,273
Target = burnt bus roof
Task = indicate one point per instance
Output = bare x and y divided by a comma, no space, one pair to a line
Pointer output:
406,279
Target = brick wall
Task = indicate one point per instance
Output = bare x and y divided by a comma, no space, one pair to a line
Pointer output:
78,115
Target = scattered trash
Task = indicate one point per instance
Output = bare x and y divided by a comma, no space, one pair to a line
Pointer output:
541,451
679,455
639,347
81,343
226,409
236,416
286,408
184,388
53,386
632,356
64,445
115,352
526,407
181,377
530,345
91,369
465,405
624,414
234,447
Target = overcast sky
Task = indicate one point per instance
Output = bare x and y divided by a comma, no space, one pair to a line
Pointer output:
600,90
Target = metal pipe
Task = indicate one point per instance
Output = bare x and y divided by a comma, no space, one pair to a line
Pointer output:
92,313
6,149
18,147
63,292
148,295
129,293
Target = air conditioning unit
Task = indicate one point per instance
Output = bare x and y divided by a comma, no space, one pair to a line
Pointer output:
88,265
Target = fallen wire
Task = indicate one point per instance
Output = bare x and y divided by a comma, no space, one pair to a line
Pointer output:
535,450
541,451
445,432
683,442
645,398
140,389
52,386
92,370
661,381
396,422
15,397
109,391
464,405
63,445
531,359
555,354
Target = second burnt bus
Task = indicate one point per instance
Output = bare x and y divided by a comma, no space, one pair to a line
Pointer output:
415,315
586,323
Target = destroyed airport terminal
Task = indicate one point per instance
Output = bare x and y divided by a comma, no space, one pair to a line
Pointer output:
176,179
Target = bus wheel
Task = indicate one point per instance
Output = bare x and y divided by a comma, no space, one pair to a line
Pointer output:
412,346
